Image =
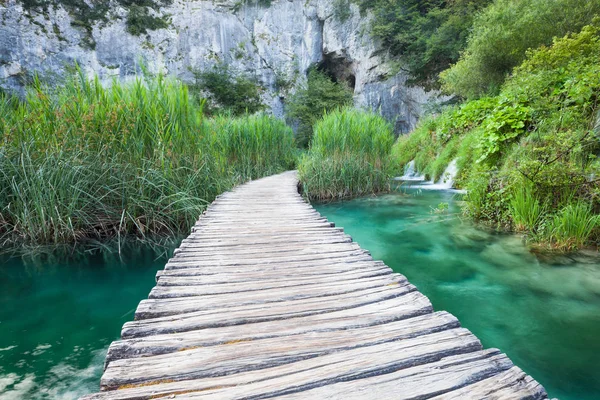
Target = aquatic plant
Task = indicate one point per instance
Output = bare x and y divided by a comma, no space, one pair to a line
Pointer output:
348,156
526,209
571,227
85,162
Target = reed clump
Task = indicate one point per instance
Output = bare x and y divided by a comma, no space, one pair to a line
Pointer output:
349,156
84,162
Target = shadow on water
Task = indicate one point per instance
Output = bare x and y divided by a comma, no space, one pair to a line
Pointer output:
59,314
544,313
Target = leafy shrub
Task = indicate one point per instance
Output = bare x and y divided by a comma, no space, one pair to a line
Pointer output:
307,105
526,209
426,36
538,130
87,13
504,32
140,20
571,227
348,156
229,92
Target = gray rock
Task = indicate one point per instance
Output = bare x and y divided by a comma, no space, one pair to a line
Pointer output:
271,43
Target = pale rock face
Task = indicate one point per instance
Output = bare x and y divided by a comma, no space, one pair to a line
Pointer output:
271,43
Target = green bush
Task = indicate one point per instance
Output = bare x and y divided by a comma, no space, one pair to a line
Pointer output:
426,37
140,20
86,14
538,130
504,32
526,209
228,92
348,156
571,227
85,163
307,105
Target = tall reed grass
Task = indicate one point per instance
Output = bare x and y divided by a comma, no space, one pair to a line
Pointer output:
85,162
572,226
348,156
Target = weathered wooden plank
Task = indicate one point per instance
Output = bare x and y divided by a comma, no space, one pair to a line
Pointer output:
272,271
301,376
327,333
171,306
219,317
289,292
259,354
248,281
296,248
508,385
181,262
267,299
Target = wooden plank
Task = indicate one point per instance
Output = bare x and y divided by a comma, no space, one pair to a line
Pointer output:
267,299
343,332
301,376
295,291
220,317
508,385
253,355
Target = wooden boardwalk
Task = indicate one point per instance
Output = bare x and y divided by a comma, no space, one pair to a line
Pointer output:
268,299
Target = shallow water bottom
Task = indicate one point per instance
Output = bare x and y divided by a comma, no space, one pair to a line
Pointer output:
58,318
545,314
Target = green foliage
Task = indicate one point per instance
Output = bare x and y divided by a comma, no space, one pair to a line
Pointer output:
85,14
341,10
348,156
228,92
504,32
321,95
529,150
83,162
571,227
140,20
254,145
526,209
426,36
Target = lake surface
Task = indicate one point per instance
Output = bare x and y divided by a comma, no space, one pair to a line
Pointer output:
545,314
58,318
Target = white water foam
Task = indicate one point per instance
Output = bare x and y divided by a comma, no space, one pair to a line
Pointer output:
413,180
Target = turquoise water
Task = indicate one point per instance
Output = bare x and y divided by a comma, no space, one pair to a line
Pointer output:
58,318
545,314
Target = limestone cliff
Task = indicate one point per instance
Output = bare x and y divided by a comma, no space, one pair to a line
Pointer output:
273,40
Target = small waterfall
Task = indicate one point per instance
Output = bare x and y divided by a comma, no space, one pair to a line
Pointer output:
410,174
412,179
447,179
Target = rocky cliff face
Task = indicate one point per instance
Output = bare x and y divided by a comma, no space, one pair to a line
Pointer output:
274,40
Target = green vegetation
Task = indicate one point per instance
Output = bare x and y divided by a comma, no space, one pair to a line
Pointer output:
348,156
321,95
528,156
228,92
502,34
85,163
142,15
425,36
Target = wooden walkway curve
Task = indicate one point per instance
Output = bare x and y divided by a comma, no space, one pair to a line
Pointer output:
267,299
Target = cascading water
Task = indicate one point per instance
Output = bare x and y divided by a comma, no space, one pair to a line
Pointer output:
411,174
413,180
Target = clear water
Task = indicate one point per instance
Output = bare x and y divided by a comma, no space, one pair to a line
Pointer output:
545,314
58,318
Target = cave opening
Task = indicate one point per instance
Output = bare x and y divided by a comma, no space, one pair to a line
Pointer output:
338,68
